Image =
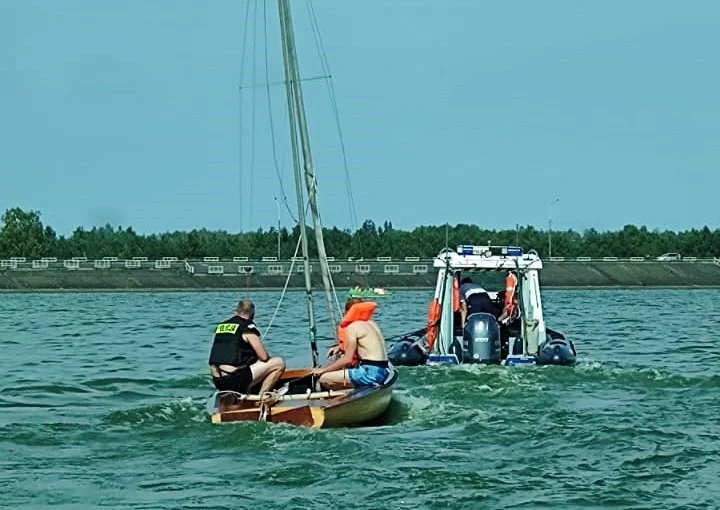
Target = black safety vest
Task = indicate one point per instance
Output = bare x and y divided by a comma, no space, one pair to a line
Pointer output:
229,347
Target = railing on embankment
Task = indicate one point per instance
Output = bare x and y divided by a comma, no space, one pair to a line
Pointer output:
214,272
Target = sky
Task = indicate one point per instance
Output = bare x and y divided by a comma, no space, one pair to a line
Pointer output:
131,113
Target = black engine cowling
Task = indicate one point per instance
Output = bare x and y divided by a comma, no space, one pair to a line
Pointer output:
481,339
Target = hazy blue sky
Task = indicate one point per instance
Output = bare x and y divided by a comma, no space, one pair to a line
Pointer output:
452,111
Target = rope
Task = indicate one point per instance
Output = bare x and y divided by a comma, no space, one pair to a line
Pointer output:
337,302
416,332
284,291
267,400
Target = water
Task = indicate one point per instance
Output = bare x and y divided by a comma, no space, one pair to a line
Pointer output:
103,405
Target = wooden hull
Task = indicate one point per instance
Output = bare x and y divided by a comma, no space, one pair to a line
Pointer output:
322,409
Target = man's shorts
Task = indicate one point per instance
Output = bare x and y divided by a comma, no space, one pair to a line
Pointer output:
367,375
238,381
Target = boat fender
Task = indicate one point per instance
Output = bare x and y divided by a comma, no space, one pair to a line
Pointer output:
408,353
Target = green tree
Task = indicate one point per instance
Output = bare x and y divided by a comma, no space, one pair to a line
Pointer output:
23,234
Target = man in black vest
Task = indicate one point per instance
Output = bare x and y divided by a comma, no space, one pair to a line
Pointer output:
238,359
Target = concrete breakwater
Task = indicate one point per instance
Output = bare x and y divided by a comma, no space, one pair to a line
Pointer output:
208,275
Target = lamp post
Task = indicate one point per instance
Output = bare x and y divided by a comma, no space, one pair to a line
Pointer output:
550,226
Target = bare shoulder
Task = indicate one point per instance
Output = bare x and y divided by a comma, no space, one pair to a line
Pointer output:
356,326
373,325
362,328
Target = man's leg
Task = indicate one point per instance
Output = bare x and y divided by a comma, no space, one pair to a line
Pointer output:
268,372
335,380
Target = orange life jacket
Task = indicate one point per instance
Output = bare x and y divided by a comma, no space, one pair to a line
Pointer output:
456,295
432,323
510,296
358,312
434,315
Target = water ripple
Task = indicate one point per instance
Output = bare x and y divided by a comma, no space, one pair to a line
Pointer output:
103,404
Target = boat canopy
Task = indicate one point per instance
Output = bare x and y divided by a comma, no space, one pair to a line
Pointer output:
451,264
487,258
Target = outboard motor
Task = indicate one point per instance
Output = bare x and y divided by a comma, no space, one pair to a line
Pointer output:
481,339
556,350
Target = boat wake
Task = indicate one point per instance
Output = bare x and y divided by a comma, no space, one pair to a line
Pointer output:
178,410
442,395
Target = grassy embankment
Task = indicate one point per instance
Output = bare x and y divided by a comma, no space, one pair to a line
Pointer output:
555,274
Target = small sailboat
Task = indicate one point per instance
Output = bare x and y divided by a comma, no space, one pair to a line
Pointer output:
297,404
297,398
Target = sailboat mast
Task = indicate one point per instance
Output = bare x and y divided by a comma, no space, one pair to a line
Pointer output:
310,182
290,93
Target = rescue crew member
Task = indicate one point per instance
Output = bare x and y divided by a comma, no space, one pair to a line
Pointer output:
473,299
238,359
363,360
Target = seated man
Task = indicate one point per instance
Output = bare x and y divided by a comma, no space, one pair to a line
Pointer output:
238,359
473,299
363,360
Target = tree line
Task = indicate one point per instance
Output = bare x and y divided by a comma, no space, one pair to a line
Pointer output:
24,235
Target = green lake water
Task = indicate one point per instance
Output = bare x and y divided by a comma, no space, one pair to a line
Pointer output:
103,404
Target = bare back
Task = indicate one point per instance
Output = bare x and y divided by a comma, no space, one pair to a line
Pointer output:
370,340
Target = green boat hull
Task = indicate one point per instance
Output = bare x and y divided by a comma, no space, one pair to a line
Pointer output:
367,293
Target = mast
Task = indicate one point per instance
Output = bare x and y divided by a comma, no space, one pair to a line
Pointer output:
290,93
310,181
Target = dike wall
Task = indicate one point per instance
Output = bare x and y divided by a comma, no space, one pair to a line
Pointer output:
555,274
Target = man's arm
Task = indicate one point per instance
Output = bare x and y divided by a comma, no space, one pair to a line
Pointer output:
463,312
257,345
345,360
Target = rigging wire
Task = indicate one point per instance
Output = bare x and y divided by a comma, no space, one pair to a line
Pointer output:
283,195
287,281
252,113
317,36
240,113
255,47
310,180
284,290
